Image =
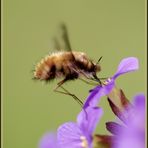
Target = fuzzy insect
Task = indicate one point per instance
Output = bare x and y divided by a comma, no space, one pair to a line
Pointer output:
69,65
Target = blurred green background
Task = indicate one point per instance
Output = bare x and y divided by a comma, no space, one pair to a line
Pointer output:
113,29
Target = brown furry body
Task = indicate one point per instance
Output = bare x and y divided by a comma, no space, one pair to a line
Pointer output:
70,65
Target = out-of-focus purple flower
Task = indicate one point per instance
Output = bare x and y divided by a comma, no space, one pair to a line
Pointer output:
74,135
132,133
79,134
126,65
49,140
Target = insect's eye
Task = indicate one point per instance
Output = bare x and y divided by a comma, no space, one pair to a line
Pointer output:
97,67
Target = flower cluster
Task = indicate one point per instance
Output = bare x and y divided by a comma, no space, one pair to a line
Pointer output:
80,134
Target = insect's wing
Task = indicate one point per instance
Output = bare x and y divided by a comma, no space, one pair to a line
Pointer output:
64,37
61,40
56,44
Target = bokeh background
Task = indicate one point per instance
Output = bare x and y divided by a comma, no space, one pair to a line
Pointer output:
113,29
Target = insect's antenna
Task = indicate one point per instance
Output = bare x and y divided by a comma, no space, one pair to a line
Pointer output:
99,59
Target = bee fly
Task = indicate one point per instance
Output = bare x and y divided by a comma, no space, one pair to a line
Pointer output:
69,65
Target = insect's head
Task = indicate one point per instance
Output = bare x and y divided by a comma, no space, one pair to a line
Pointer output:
97,65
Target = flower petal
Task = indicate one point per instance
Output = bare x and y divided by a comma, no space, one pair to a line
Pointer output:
139,101
69,135
117,111
127,65
98,92
134,133
129,138
88,119
138,121
49,140
114,127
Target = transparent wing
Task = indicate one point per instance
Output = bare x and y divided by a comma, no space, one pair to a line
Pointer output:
61,41
55,44
64,37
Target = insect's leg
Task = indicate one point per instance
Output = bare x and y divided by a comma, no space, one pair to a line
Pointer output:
94,78
62,82
80,71
97,79
83,73
88,82
66,92
74,96
104,78
59,85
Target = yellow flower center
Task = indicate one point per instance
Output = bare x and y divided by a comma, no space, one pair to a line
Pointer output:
106,81
84,142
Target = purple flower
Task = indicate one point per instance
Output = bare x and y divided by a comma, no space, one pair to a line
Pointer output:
49,140
79,134
131,134
74,135
126,65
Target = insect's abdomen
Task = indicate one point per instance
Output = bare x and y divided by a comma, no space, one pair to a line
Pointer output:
55,65
43,68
